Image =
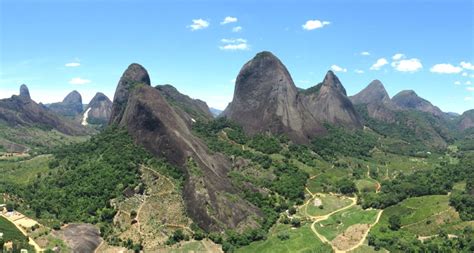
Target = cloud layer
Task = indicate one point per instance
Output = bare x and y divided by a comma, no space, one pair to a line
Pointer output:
79,81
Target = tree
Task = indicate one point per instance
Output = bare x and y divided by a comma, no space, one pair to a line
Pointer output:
10,206
295,222
395,222
292,210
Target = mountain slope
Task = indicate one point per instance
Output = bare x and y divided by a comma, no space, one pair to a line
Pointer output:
466,120
161,129
408,99
265,99
196,108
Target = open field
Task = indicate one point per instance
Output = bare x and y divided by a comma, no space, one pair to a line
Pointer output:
300,240
328,202
23,172
424,216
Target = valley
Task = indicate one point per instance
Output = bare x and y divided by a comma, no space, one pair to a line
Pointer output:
280,170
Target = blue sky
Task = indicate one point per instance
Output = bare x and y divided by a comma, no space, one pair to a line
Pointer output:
58,46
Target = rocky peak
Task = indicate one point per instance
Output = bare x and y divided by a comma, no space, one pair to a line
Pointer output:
24,92
328,102
134,76
71,106
265,99
332,81
374,93
73,98
408,99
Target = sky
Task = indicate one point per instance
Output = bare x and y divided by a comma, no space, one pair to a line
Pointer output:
56,46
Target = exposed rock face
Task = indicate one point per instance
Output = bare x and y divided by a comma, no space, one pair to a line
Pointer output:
98,110
24,92
328,102
378,102
71,105
266,99
134,76
408,99
372,94
194,107
22,111
162,130
467,120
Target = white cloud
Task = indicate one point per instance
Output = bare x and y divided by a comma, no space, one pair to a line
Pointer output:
409,65
468,83
234,44
464,74
338,69
237,29
457,83
467,65
315,24
198,24
470,88
379,63
228,20
398,56
72,64
359,71
468,99
445,68
79,81
365,53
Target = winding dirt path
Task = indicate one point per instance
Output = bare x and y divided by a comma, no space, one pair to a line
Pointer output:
319,218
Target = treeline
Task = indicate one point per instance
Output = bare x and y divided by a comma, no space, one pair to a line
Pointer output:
85,176
341,142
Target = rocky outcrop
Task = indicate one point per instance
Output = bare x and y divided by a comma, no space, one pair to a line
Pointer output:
266,100
328,102
23,111
375,98
162,130
196,108
24,92
98,110
408,99
71,106
134,76
466,120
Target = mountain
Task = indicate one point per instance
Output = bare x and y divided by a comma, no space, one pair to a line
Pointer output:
466,120
196,108
266,100
23,111
328,102
406,116
377,101
162,130
408,99
71,106
97,111
215,112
